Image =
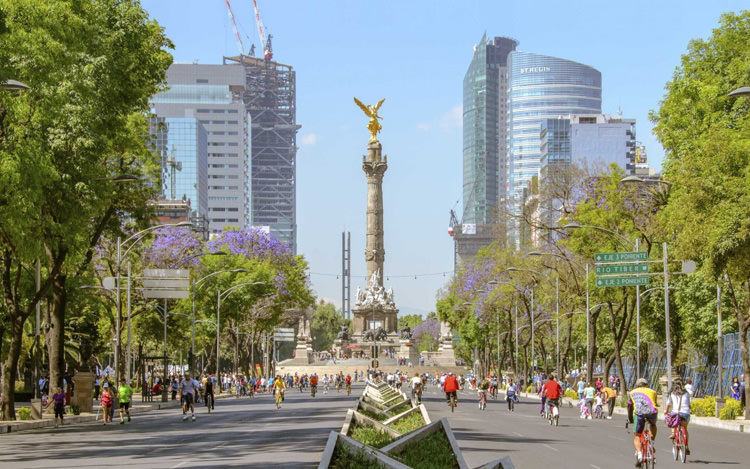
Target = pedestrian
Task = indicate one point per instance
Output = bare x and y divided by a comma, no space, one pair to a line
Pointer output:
59,399
581,385
689,387
735,389
742,391
588,392
106,402
610,395
97,387
124,391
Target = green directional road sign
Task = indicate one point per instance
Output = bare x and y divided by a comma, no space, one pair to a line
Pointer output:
621,269
621,256
621,281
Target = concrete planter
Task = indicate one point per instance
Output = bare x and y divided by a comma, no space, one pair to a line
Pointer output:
502,463
354,446
420,409
398,446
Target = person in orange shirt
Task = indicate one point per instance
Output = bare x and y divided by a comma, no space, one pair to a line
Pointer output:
450,386
610,395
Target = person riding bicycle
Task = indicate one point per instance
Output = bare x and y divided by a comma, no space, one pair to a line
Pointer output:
493,386
679,403
208,392
642,402
482,387
416,387
313,383
279,386
552,391
450,387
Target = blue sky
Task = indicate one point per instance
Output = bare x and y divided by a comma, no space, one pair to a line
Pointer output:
415,54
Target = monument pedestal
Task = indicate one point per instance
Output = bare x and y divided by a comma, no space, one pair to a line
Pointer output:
84,391
408,350
446,356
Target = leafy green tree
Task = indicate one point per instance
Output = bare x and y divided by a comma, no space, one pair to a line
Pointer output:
91,66
707,161
411,320
325,325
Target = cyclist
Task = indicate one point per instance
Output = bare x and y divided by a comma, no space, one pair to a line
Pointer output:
679,402
416,388
482,386
326,382
642,402
450,387
187,390
493,386
510,394
348,384
313,384
279,386
552,392
208,391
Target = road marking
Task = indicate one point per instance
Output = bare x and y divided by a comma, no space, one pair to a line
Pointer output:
180,464
595,467
550,447
516,433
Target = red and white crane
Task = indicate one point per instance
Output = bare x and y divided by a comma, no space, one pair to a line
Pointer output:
266,44
234,25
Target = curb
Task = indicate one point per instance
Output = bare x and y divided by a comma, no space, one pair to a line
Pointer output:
24,425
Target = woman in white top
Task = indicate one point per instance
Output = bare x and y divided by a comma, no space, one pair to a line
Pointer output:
679,402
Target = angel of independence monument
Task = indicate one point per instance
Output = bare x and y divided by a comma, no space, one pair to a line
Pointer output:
375,316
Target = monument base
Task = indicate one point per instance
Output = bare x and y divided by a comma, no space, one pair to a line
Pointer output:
84,391
408,350
302,353
446,356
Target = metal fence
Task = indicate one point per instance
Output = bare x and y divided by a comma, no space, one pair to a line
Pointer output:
704,374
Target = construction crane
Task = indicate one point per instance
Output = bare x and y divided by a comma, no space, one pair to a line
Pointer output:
174,166
234,25
266,45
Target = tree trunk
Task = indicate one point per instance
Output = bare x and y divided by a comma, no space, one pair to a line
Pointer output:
591,352
8,406
55,331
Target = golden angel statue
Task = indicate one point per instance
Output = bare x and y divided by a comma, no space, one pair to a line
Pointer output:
372,112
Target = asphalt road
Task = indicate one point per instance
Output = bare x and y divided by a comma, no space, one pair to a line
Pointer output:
591,444
238,433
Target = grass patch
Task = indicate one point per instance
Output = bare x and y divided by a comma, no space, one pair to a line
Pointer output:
343,458
372,415
369,435
402,408
408,424
432,452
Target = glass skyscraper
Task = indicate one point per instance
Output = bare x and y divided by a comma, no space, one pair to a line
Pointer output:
485,89
540,88
183,141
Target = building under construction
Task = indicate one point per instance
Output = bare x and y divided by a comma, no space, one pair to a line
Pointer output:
270,100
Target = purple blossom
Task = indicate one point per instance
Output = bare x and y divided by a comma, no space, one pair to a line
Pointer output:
174,247
253,243
429,327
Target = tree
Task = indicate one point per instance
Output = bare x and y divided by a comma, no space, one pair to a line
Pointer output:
91,67
325,325
707,161
411,320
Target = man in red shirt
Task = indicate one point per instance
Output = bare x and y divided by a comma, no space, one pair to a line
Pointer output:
552,390
450,387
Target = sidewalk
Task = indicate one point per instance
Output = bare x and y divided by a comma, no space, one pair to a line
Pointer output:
48,420
739,425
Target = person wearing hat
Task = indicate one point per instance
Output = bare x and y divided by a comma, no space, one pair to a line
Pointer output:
106,402
642,402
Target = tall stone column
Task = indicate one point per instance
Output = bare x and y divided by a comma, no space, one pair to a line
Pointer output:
374,165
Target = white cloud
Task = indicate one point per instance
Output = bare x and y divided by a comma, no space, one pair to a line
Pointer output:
452,118
424,126
308,139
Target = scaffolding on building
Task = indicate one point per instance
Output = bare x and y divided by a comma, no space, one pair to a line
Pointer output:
270,99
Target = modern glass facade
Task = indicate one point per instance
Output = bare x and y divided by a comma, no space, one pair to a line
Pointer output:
542,87
485,130
211,94
186,145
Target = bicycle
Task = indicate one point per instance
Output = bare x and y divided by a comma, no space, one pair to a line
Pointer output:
511,403
599,413
279,398
208,398
312,390
453,400
553,414
348,389
416,396
648,453
482,400
679,450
